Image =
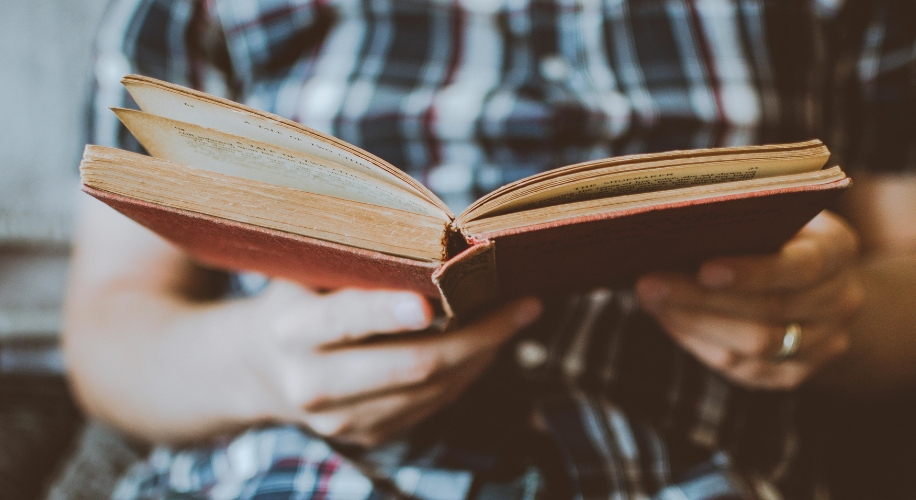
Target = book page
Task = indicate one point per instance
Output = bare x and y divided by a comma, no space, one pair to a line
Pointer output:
555,213
661,179
185,105
169,184
227,154
619,177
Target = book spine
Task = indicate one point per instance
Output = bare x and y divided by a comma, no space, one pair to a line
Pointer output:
469,281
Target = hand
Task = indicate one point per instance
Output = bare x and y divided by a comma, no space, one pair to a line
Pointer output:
734,315
318,370
150,352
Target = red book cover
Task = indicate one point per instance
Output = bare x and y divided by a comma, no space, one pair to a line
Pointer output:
610,249
617,248
231,245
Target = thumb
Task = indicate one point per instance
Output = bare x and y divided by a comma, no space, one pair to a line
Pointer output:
349,315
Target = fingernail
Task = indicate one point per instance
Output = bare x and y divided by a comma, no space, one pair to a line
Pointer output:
716,276
410,313
528,312
652,292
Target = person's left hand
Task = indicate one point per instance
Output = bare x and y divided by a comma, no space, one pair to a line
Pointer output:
734,314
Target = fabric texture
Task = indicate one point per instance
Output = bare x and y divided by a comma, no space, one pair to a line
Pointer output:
100,457
468,95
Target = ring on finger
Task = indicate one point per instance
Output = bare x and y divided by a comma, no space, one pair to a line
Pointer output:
790,342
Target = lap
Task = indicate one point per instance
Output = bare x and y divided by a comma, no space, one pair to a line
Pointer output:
285,462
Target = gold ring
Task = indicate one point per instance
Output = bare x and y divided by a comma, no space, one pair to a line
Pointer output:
790,343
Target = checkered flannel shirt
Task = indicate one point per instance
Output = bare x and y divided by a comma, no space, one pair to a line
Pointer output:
467,95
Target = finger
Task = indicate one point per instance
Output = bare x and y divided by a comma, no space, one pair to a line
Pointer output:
370,422
711,354
766,374
451,389
353,393
820,250
745,339
373,373
350,315
836,299
283,292
399,363
490,331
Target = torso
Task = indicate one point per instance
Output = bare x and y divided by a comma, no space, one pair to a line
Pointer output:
492,91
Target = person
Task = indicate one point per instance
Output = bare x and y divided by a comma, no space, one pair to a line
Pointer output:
681,387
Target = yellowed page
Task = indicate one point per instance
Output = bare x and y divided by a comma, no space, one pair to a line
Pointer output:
265,205
227,154
555,213
620,179
185,105
664,178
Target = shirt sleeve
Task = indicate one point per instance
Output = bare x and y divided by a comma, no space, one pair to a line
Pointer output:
875,97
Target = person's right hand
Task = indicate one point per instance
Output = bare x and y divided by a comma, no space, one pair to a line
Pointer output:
152,350
310,354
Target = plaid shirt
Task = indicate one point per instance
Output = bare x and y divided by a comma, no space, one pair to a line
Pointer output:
468,95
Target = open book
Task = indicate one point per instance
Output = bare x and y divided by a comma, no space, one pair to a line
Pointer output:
243,189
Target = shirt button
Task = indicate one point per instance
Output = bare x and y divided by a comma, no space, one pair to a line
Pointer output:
554,68
530,354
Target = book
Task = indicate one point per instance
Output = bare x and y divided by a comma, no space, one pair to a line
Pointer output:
242,189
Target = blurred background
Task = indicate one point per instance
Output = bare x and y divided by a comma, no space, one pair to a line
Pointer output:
45,56
46,63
